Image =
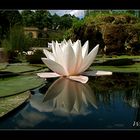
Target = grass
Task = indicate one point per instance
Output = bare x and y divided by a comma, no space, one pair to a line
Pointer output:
14,85
128,68
128,56
117,57
9,103
3,65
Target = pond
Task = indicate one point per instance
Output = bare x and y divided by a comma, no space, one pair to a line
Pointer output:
106,102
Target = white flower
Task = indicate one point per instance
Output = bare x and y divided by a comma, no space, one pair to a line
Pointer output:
70,60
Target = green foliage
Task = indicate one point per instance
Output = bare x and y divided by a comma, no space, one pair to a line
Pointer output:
115,32
8,19
43,18
85,31
36,57
66,21
56,35
51,35
38,18
55,20
71,33
14,17
77,24
16,43
68,34
28,18
114,18
39,42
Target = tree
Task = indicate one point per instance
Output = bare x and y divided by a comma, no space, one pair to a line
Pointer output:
4,25
66,21
42,18
7,20
94,12
37,18
28,18
55,21
13,17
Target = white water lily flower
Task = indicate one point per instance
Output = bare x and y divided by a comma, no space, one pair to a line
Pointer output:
71,60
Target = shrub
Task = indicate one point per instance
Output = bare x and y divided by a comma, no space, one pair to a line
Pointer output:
15,43
36,57
114,32
39,42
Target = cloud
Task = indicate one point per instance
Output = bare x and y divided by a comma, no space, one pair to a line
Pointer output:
77,13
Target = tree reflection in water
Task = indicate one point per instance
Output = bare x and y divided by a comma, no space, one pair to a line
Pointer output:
65,97
132,97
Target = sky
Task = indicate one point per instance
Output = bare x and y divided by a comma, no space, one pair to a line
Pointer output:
77,13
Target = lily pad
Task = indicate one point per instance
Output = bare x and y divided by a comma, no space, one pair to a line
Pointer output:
19,84
10,103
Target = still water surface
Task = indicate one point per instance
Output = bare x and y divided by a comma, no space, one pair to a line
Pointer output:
107,102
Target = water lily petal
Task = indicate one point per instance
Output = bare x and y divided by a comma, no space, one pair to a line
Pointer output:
59,54
89,95
53,48
49,45
68,95
69,59
48,75
78,55
79,99
88,60
80,78
54,90
96,73
36,102
63,45
48,54
64,41
54,66
85,49
74,90
70,42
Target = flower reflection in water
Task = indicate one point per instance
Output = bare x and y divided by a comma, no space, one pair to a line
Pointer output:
65,97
